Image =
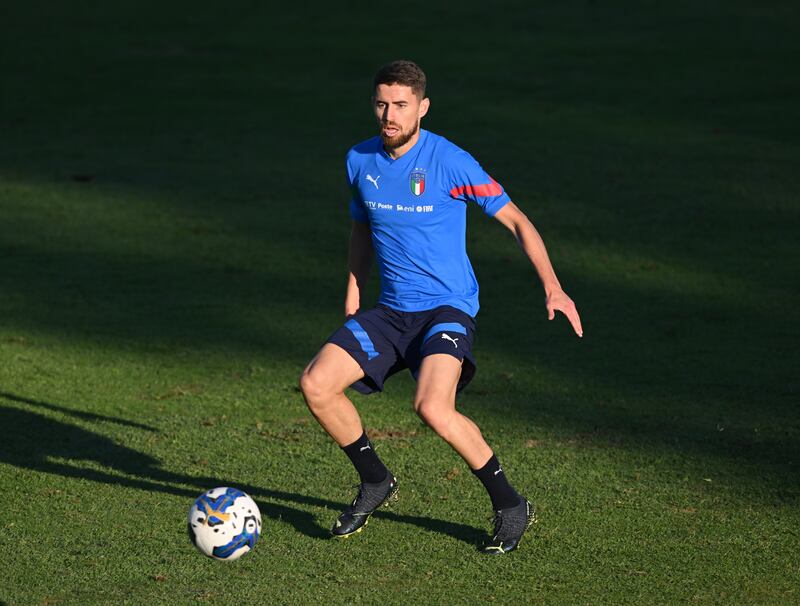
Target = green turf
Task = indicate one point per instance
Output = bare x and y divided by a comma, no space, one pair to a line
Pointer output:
173,228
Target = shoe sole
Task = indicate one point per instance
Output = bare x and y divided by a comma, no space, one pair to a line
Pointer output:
391,497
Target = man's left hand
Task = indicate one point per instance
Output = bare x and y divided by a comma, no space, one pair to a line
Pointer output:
559,301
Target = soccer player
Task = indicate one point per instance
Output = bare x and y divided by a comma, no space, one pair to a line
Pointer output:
410,189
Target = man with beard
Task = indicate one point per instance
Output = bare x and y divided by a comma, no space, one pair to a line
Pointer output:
410,189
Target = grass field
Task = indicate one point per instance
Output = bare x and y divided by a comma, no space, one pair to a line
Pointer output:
173,230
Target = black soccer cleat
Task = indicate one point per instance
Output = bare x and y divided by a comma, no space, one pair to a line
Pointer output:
369,498
509,526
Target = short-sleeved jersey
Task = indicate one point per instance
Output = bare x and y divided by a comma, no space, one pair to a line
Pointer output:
416,207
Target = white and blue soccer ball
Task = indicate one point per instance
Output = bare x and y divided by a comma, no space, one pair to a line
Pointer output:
224,523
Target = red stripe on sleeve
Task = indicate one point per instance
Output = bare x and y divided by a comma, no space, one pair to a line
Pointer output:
477,191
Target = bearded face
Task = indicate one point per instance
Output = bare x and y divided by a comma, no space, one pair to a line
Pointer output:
398,111
393,135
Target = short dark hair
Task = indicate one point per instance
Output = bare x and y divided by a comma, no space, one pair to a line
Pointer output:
405,73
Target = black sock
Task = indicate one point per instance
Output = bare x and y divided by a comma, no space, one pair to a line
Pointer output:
366,461
494,480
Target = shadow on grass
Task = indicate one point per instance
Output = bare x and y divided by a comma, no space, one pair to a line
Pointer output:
86,416
30,440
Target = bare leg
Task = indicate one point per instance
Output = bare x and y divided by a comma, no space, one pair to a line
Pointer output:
435,403
323,383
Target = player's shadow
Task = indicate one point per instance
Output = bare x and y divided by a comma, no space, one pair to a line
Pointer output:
30,440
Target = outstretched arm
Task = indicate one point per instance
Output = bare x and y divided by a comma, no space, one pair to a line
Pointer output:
531,242
359,259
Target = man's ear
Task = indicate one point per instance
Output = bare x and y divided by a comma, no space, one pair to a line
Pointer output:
424,105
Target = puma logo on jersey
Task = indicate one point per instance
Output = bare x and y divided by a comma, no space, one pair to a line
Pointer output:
373,180
449,338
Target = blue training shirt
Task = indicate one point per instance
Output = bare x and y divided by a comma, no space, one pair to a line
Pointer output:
416,207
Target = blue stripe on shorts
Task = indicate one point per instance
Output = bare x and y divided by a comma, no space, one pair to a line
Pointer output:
363,338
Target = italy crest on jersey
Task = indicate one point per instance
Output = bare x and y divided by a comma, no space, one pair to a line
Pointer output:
417,182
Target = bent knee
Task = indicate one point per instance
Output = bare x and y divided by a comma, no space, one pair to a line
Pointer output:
436,416
310,385
316,387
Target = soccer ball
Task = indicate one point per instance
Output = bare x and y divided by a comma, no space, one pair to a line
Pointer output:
224,523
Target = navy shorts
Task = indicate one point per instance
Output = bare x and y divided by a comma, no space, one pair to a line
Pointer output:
384,341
